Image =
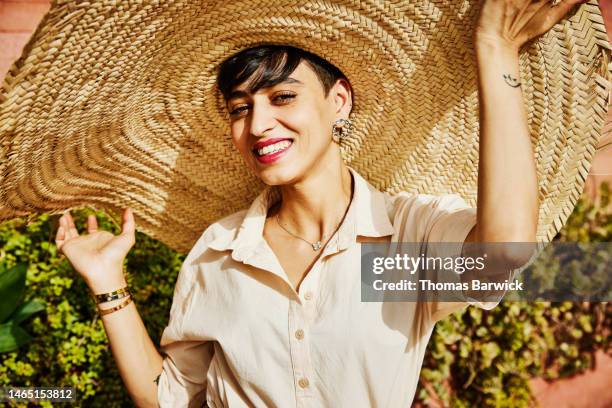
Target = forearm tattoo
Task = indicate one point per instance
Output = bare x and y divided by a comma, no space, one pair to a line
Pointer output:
513,82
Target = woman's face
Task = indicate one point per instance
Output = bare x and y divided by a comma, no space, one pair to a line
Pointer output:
284,131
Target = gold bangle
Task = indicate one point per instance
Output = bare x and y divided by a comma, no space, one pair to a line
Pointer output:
115,308
114,296
117,294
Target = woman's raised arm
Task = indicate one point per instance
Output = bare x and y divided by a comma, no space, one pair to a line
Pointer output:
98,257
507,208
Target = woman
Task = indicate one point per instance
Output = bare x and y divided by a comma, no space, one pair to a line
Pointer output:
270,314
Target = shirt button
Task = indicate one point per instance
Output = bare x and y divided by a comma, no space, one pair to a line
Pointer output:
303,382
308,295
299,334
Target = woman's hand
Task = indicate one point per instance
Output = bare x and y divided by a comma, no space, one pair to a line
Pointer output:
512,23
98,255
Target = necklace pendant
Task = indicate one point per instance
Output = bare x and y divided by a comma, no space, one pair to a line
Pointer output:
316,246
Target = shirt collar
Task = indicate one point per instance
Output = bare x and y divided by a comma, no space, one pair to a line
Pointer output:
367,216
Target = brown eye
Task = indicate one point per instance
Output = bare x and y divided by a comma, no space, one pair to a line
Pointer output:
239,110
284,97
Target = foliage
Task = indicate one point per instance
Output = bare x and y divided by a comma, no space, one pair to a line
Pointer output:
70,347
476,358
12,311
485,358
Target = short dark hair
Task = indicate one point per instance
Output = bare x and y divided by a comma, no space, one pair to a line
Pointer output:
273,64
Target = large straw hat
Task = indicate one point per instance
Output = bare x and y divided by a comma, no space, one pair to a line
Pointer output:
114,104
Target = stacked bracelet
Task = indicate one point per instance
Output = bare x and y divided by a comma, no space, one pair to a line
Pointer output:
115,308
117,294
124,292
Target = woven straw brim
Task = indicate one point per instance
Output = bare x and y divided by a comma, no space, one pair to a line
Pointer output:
114,104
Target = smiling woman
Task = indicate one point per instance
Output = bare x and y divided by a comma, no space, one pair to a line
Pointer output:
288,99
267,307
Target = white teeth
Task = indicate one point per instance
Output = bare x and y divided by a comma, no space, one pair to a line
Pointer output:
273,148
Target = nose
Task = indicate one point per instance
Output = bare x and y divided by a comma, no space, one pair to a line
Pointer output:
262,119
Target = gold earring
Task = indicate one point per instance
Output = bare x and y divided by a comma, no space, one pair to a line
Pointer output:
341,129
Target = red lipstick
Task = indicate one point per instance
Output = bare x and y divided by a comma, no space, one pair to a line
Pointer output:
271,157
264,143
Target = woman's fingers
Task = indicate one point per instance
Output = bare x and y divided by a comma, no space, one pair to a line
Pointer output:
561,9
92,224
67,230
531,11
550,15
128,228
72,230
60,236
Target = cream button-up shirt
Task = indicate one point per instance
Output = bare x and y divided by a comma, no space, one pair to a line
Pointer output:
239,335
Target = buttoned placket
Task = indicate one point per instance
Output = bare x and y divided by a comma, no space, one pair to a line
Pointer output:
301,312
299,316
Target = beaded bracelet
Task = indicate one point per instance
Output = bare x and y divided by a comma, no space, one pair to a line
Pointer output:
123,304
117,294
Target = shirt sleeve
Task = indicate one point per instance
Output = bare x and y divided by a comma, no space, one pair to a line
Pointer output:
450,219
447,219
187,356
451,222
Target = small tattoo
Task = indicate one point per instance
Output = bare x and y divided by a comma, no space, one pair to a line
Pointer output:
156,380
513,82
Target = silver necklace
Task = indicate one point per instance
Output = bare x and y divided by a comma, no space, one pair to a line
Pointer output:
318,244
315,245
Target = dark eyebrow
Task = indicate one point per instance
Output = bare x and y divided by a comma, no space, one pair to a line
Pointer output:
241,94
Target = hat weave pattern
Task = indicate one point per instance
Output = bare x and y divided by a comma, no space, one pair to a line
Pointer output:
114,104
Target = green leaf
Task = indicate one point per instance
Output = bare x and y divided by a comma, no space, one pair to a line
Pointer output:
12,337
24,311
489,351
12,286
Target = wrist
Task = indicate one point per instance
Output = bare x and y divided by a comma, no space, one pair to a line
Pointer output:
112,303
485,44
489,55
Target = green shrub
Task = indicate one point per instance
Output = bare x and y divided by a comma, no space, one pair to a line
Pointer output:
12,310
475,358
70,347
480,358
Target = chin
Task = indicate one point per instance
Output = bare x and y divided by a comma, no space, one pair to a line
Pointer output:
279,174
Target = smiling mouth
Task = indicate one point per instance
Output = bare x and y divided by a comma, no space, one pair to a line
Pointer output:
273,148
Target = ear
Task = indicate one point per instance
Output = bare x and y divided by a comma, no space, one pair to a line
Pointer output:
342,97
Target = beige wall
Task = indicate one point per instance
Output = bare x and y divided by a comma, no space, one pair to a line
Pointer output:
18,18
602,164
